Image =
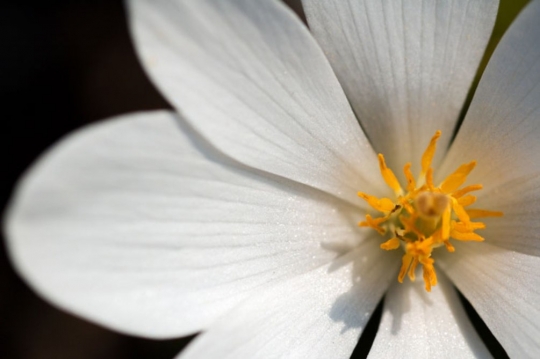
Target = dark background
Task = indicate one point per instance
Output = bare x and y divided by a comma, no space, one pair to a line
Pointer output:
65,64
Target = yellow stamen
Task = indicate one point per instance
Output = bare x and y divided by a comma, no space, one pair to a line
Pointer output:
381,205
411,184
374,223
405,264
429,179
445,225
427,157
459,193
460,212
427,216
467,227
390,244
389,176
420,248
466,200
470,236
449,246
430,277
412,269
480,213
456,179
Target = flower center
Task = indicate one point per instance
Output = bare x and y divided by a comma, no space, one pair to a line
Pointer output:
425,216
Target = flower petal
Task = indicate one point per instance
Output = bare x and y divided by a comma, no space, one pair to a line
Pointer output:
248,75
406,66
501,131
416,324
504,288
135,225
317,315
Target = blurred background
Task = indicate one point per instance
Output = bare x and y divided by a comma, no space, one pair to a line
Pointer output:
65,64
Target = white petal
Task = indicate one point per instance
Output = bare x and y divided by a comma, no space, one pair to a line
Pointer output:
318,315
502,131
417,324
504,288
134,225
248,75
406,66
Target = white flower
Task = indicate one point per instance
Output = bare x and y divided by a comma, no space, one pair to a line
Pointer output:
220,217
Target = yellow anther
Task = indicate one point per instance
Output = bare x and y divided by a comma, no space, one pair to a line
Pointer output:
456,179
465,190
466,200
480,213
467,227
460,212
381,205
411,184
430,277
389,176
427,157
412,269
445,225
449,246
390,244
405,264
429,179
468,236
374,223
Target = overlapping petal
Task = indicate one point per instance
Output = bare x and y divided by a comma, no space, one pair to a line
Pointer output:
317,315
504,288
501,132
416,324
249,76
406,66
137,225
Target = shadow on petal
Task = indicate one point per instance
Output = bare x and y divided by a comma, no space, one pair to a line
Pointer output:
371,272
404,305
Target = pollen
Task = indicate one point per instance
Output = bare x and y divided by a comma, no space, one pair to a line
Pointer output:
425,216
